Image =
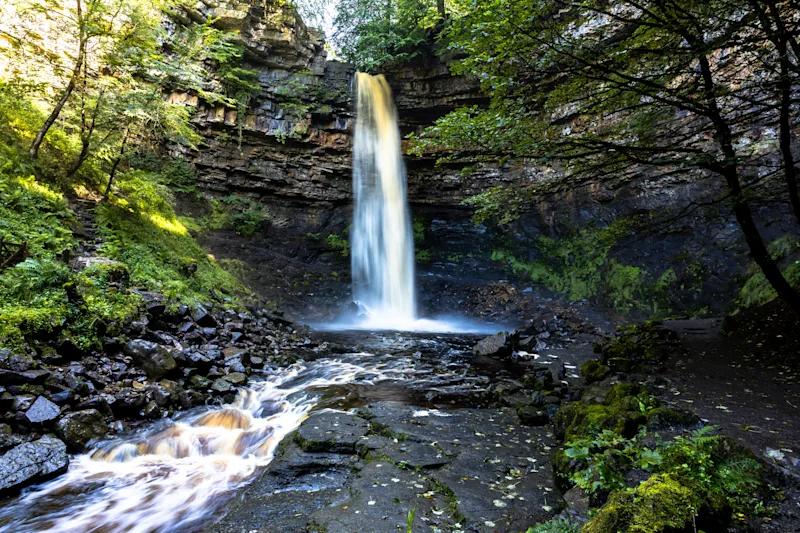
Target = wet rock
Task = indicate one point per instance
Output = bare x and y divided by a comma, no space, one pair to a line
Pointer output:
61,398
538,399
412,454
221,385
153,358
18,362
577,503
236,378
203,318
13,377
232,351
497,345
151,410
128,401
235,364
77,429
256,362
32,462
100,403
532,416
7,438
42,411
332,432
199,382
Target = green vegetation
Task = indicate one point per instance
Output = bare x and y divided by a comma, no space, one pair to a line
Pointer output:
580,266
634,345
557,525
756,289
242,215
371,33
106,130
140,230
338,243
697,479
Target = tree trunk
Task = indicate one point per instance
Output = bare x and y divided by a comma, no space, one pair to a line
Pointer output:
744,216
76,72
440,7
116,164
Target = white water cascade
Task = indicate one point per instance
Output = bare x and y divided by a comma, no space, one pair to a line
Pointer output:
381,237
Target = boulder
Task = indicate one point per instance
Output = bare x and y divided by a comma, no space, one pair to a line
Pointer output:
32,462
42,411
497,344
77,429
202,318
153,358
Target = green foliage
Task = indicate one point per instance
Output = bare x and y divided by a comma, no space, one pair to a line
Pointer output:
33,213
580,266
242,215
708,473
337,243
607,457
40,297
370,33
141,231
556,525
423,255
418,227
410,520
756,289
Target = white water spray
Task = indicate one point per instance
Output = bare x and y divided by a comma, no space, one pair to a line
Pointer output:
382,243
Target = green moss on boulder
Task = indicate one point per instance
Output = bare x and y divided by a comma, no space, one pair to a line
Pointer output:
665,503
594,371
665,418
620,412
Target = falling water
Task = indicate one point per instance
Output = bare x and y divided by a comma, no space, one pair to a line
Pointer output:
382,243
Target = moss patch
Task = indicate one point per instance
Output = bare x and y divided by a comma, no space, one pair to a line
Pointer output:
622,412
665,503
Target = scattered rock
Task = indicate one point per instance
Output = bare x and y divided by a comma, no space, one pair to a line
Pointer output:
42,411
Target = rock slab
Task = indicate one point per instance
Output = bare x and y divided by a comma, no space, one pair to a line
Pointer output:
32,462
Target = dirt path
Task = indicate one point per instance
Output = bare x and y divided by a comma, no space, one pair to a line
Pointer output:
744,384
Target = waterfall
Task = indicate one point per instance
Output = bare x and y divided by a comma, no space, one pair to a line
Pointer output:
381,237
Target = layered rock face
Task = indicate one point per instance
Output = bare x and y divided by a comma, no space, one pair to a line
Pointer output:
291,152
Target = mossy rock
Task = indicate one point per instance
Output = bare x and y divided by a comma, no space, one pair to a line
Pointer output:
594,371
665,503
635,345
667,418
563,468
620,412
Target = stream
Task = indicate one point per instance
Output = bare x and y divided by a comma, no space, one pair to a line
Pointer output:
174,475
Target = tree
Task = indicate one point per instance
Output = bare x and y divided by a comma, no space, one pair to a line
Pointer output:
371,33
619,90
776,23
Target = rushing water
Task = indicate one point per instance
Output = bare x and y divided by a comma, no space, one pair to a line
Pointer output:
381,237
173,476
